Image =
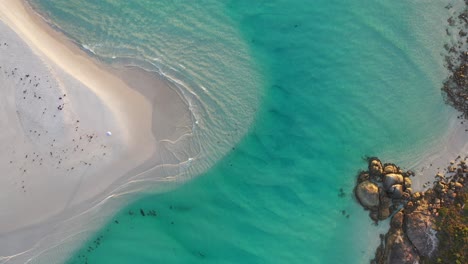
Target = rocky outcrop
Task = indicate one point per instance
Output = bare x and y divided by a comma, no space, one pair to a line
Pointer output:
382,188
420,229
412,236
395,247
398,249
455,87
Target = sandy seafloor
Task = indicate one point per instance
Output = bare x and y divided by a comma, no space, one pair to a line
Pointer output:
333,88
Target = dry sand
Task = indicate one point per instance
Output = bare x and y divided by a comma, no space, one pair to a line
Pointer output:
56,106
450,147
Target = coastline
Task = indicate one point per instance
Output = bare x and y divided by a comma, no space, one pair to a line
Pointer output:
427,226
428,214
435,160
61,189
437,153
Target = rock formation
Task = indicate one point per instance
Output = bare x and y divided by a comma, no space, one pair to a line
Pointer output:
382,188
367,193
430,226
386,189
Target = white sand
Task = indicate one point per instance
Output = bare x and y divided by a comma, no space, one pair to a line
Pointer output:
436,160
56,105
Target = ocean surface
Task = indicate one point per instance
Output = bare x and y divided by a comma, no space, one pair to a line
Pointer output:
292,94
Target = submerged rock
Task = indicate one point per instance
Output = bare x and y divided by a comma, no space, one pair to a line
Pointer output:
363,176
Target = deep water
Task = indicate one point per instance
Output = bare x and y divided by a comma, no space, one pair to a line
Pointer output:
336,80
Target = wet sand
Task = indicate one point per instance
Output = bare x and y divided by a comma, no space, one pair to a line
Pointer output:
57,106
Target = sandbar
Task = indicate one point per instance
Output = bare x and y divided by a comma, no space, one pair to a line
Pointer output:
73,132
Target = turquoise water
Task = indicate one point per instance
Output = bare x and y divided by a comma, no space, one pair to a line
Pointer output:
336,80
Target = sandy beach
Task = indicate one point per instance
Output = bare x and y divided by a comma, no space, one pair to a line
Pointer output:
452,146
72,132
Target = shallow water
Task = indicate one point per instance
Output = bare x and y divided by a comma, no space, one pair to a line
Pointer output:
337,81
170,40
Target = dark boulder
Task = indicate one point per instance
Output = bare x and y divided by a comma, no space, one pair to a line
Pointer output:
392,179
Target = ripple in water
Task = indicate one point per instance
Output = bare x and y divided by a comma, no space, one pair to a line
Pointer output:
202,55
222,89
343,80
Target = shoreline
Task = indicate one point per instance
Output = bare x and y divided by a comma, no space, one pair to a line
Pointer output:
438,156
61,190
424,226
435,159
426,220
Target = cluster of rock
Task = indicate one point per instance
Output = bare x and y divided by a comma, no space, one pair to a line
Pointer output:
383,188
386,190
455,88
